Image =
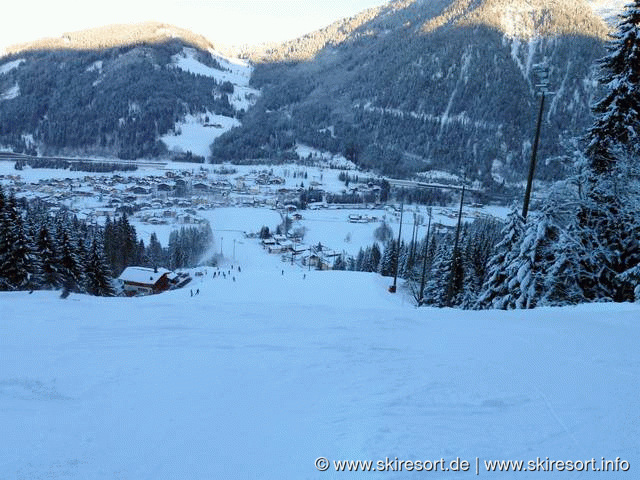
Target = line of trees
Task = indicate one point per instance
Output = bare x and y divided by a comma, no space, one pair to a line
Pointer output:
76,166
435,272
41,249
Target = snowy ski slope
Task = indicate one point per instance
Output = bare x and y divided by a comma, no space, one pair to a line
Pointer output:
258,377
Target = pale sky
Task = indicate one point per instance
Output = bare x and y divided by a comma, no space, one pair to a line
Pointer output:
222,21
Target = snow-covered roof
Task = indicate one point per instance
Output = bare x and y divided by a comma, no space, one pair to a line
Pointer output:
142,275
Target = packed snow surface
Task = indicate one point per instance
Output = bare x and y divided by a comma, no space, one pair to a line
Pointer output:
258,377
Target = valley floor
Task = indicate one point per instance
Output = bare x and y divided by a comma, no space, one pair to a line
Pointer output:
258,377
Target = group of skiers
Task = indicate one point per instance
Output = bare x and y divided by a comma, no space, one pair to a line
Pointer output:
219,273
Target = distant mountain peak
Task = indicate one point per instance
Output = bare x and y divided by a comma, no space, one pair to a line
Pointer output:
523,19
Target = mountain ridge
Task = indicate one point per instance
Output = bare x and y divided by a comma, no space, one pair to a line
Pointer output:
131,98
435,14
112,36
406,87
400,99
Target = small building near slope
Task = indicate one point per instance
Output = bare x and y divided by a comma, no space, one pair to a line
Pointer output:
144,281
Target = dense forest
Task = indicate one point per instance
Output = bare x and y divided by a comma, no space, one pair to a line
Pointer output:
116,101
416,86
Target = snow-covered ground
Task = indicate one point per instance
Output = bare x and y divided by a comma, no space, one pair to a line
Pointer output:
11,92
236,71
608,10
7,67
324,158
258,377
196,134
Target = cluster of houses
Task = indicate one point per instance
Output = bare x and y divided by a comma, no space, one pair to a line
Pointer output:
357,218
317,256
158,198
165,197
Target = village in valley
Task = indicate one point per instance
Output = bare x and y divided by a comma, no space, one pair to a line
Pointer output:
306,216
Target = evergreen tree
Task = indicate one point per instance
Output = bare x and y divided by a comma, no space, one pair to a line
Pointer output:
562,281
387,266
340,263
479,244
439,275
155,252
18,265
607,226
374,258
70,265
496,291
176,257
455,279
49,261
618,113
6,242
128,242
359,260
608,230
141,255
530,268
98,278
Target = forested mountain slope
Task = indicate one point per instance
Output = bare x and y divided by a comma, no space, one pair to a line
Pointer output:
114,90
419,85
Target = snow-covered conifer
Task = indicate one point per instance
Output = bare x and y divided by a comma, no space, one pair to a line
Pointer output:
387,266
496,291
18,263
535,257
97,275
70,264
49,260
618,113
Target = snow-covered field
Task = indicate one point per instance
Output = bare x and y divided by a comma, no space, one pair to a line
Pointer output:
258,377
196,135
